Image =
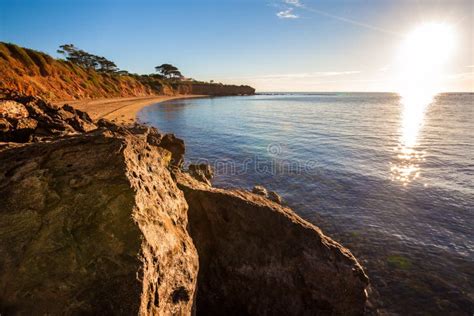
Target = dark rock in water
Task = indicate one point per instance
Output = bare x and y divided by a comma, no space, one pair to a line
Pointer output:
260,190
275,197
201,172
271,195
259,258
92,224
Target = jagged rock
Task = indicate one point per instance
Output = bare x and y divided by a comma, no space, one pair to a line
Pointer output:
259,258
260,190
142,129
5,126
271,195
154,139
176,147
275,197
201,172
168,142
106,124
12,110
32,119
92,224
26,123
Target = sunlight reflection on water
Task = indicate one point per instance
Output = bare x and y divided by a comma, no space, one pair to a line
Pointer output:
407,166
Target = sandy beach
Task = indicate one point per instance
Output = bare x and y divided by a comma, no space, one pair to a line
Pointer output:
119,110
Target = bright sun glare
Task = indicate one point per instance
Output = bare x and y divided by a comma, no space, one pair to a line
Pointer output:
423,56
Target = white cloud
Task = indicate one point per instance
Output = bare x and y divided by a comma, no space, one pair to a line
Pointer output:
287,14
295,3
470,66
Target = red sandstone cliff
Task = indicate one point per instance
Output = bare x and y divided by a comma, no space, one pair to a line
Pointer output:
35,73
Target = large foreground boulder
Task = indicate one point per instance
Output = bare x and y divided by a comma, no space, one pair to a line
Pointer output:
93,224
257,257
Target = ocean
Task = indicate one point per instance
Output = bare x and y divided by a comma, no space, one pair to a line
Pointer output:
390,178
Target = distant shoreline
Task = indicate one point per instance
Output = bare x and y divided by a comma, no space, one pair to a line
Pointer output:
120,110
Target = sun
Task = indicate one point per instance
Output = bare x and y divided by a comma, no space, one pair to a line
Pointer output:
422,58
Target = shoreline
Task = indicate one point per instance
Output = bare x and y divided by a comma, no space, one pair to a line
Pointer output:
120,110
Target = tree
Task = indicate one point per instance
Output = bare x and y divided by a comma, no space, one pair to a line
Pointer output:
106,65
169,71
87,60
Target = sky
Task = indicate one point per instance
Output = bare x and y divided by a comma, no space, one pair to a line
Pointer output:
273,45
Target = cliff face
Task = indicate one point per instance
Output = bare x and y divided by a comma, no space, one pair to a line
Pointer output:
37,74
34,73
99,219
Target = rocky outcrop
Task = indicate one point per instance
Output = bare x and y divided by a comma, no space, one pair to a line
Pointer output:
93,224
94,219
201,172
27,119
259,258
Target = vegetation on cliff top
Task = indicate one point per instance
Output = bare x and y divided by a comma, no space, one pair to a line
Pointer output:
83,75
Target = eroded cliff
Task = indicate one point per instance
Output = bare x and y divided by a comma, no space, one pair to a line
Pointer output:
37,74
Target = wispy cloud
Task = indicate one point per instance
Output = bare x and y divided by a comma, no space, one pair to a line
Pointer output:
351,21
287,14
470,66
295,3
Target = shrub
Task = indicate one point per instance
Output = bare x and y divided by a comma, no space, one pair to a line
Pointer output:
20,54
39,60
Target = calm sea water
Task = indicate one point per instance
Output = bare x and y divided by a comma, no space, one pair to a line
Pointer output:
390,178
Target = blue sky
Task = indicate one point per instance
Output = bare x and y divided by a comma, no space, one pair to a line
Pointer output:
274,45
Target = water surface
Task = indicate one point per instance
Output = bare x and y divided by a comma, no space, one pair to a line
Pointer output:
392,181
